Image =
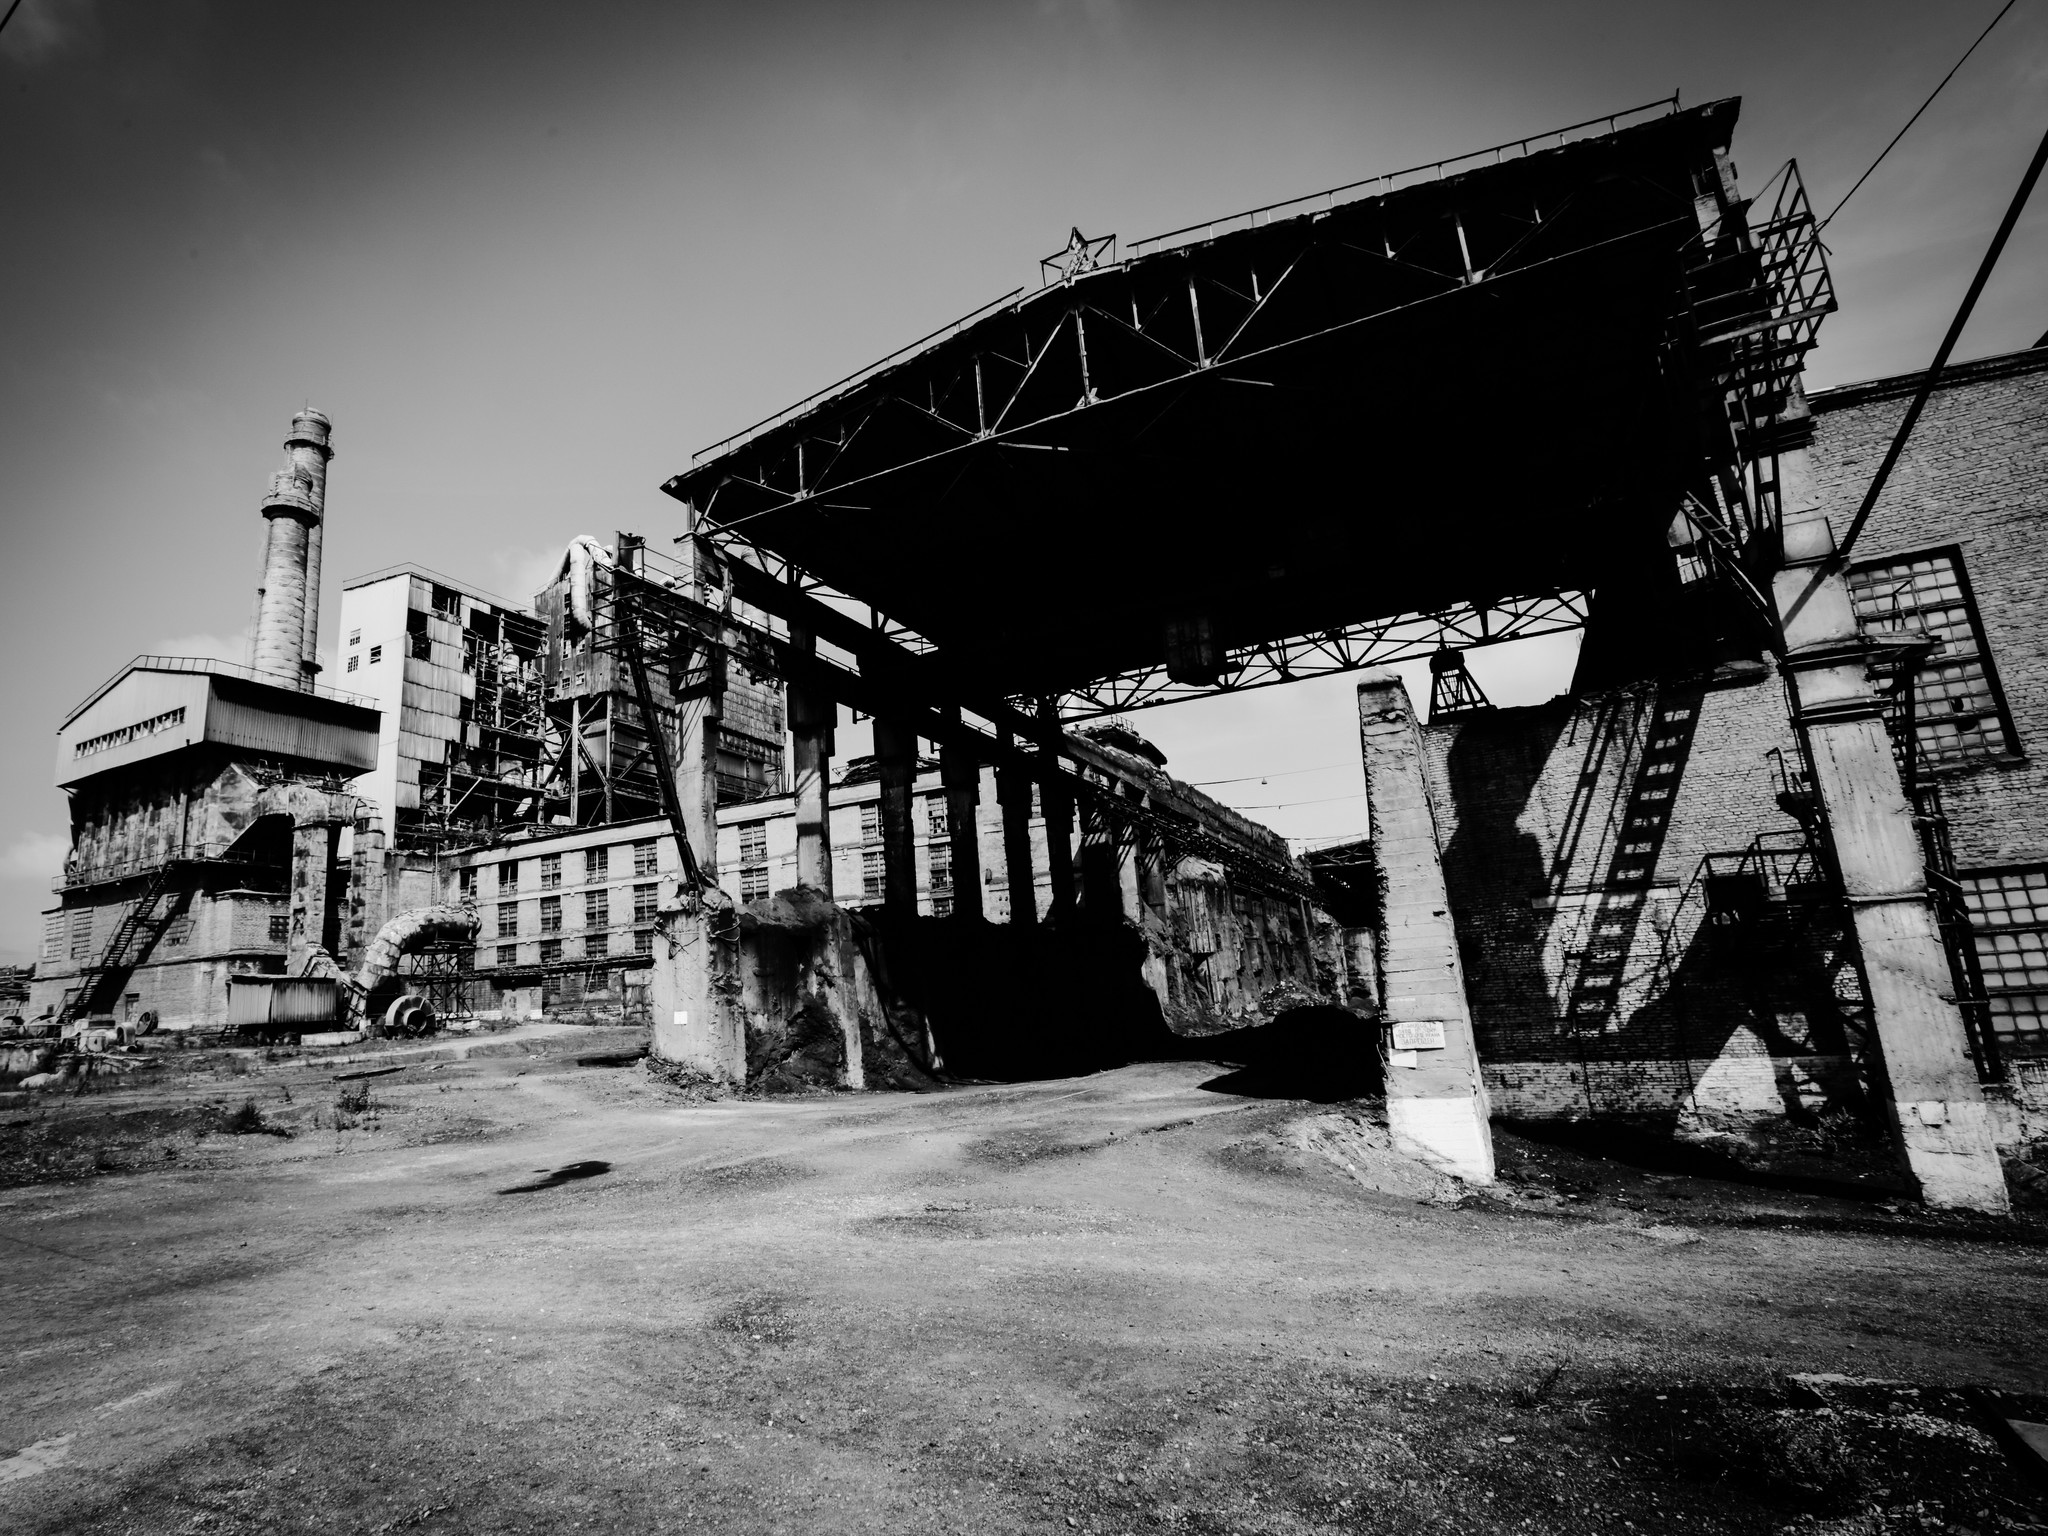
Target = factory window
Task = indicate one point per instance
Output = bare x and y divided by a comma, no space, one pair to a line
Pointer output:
596,863
753,842
643,941
1958,710
352,662
355,637
2009,919
376,654
508,919
465,881
508,954
447,601
644,903
936,822
597,945
508,875
754,883
871,875
551,914
597,909
281,929
53,936
941,856
550,871
421,647
871,822
81,933
643,857
550,951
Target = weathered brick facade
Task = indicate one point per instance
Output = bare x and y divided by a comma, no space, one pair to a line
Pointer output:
1639,934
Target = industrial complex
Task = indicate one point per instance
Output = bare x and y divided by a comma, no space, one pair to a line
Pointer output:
1779,854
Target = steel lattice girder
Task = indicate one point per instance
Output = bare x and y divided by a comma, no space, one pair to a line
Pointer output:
1410,404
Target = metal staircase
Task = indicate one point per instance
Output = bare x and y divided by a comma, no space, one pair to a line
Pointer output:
99,984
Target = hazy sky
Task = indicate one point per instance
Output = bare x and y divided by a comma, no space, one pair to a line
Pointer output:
529,256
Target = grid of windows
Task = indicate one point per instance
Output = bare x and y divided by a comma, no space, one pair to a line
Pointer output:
81,933
643,858
550,871
281,929
596,862
871,822
508,875
643,941
550,951
465,881
508,954
551,914
753,842
871,876
597,909
645,903
376,654
935,819
942,867
2009,919
754,883
1956,715
352,662
597,945
508,919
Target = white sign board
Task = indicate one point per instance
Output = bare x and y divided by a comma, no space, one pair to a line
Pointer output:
1423,1035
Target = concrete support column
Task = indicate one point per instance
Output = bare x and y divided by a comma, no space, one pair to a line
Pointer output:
1436,1100
811,715
1057,802
1941,1120
896,753
316,849
960,772
1102,894
1013,793
694,986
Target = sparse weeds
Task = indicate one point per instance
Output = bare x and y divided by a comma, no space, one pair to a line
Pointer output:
250,1121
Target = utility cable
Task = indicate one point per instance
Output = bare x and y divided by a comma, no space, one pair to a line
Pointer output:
1260,778
1948,342
10,15
1287,805
1915,117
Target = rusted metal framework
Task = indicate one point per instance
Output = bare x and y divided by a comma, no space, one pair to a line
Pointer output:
1444,407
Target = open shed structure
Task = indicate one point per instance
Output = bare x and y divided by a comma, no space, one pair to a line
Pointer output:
1549,385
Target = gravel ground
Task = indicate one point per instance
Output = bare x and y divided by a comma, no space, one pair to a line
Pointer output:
541,1290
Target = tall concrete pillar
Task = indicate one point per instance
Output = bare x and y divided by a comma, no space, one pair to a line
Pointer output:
694,987
1943,1124
896,752
960,772
1102,892
811,715
314,920
1436,1100
1057,802
1013,793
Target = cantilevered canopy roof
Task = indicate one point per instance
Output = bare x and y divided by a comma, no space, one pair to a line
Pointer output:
1375,402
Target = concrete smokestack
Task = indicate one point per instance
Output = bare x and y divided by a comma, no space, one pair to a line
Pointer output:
282,646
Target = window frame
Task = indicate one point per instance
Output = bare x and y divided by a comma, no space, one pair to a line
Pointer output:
2033,1044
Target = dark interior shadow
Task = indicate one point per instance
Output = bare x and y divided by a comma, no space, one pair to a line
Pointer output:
621,1059
566,1174
1324,1055
1643,1150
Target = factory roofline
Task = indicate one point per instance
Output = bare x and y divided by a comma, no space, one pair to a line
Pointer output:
210,666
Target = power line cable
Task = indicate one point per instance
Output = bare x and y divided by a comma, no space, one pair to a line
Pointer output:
1260,778
1286,805
10,15
1823,224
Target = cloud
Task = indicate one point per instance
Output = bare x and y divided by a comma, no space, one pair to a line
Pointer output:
44,29
234,648
34,856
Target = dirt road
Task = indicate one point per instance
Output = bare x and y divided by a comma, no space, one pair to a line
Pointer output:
545,1292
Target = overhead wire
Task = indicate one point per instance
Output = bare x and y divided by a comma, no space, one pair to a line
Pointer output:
1260,778
1959,63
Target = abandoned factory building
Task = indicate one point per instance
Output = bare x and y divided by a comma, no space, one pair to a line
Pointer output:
1778,852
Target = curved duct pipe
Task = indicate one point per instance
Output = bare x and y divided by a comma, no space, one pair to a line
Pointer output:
579,563
401,936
